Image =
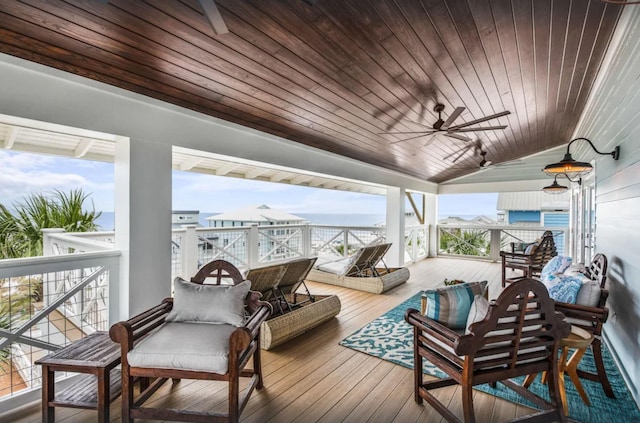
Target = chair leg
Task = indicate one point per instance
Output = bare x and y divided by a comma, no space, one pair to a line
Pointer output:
234,394
418,377
554,389
257,363
127,396
467,403
596,347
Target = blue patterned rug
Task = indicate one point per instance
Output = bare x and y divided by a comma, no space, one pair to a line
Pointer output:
390,338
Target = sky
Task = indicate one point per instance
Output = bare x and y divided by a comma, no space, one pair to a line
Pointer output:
24,173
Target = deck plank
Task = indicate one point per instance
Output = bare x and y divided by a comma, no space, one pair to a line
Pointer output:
313,379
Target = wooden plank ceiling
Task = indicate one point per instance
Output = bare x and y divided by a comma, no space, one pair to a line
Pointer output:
334,74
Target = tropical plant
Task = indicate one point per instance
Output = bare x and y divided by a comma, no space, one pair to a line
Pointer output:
21,230
13,309
470,242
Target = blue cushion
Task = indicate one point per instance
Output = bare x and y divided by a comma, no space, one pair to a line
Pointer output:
558,264
563,288
450,305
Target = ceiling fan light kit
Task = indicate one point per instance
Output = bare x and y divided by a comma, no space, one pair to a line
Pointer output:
572,168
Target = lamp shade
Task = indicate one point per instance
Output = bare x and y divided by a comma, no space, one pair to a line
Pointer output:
555,188
569,167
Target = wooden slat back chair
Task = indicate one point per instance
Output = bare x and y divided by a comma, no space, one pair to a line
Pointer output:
244,344
293,277
592,320
519,336
365,261
219,271
530,264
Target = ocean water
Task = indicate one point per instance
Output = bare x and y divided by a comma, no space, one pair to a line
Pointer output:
105,221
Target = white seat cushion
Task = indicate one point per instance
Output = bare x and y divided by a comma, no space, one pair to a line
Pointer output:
186,346
338,267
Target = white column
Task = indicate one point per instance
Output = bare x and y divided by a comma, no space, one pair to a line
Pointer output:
142,224
395,226
431,222
189,246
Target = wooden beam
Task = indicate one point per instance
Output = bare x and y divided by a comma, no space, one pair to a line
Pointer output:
190,163
83,147
254,173
12,134
213,14
280,176
300,179
226,168
419,213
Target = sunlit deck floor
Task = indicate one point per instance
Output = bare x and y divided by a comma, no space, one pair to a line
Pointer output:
313,379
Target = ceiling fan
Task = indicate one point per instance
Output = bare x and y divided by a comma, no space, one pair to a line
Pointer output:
448,129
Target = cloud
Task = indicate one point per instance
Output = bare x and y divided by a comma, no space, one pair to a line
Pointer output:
22,174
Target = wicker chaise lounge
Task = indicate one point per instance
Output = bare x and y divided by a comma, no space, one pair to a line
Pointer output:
294,312
361,271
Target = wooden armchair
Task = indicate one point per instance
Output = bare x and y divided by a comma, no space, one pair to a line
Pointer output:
180,349
592,320
518,336
530,263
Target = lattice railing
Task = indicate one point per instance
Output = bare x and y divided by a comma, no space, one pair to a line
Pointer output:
46,303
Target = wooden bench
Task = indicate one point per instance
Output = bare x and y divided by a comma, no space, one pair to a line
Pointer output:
97,356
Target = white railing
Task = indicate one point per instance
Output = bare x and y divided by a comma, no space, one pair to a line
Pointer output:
486,242
416,243
249,246
48,302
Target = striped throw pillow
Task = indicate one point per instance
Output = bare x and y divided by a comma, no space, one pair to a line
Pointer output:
450,305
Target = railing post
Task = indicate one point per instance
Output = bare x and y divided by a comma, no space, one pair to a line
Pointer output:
253,245
306,240
47,242
346,243
495,244
189,246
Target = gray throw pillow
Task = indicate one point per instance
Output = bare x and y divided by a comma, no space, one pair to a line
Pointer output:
194,302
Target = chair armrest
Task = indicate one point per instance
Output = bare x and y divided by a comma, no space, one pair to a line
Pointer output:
261,313
596,315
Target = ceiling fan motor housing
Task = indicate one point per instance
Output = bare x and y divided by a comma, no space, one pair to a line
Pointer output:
438,108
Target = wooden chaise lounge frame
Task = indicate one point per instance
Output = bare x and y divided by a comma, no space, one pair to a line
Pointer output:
243,345
530,264
495,350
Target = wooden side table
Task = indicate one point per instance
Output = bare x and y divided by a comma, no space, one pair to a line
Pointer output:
97,356
579,339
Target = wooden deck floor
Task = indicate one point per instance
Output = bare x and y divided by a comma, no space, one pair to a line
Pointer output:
313,379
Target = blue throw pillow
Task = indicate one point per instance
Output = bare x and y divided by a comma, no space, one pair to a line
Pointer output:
563,288
558,264
450,305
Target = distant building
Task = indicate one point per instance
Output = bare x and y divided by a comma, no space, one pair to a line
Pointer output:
184,217
478,220
275,244
533,208
254,215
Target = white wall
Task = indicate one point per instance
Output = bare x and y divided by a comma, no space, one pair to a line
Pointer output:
613,118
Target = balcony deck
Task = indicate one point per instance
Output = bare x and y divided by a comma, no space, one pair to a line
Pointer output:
313,379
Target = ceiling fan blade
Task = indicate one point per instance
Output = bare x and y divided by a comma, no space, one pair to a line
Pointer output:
213,14
453,116
479,128
459,152
410,132
422,134
484,119
456,136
